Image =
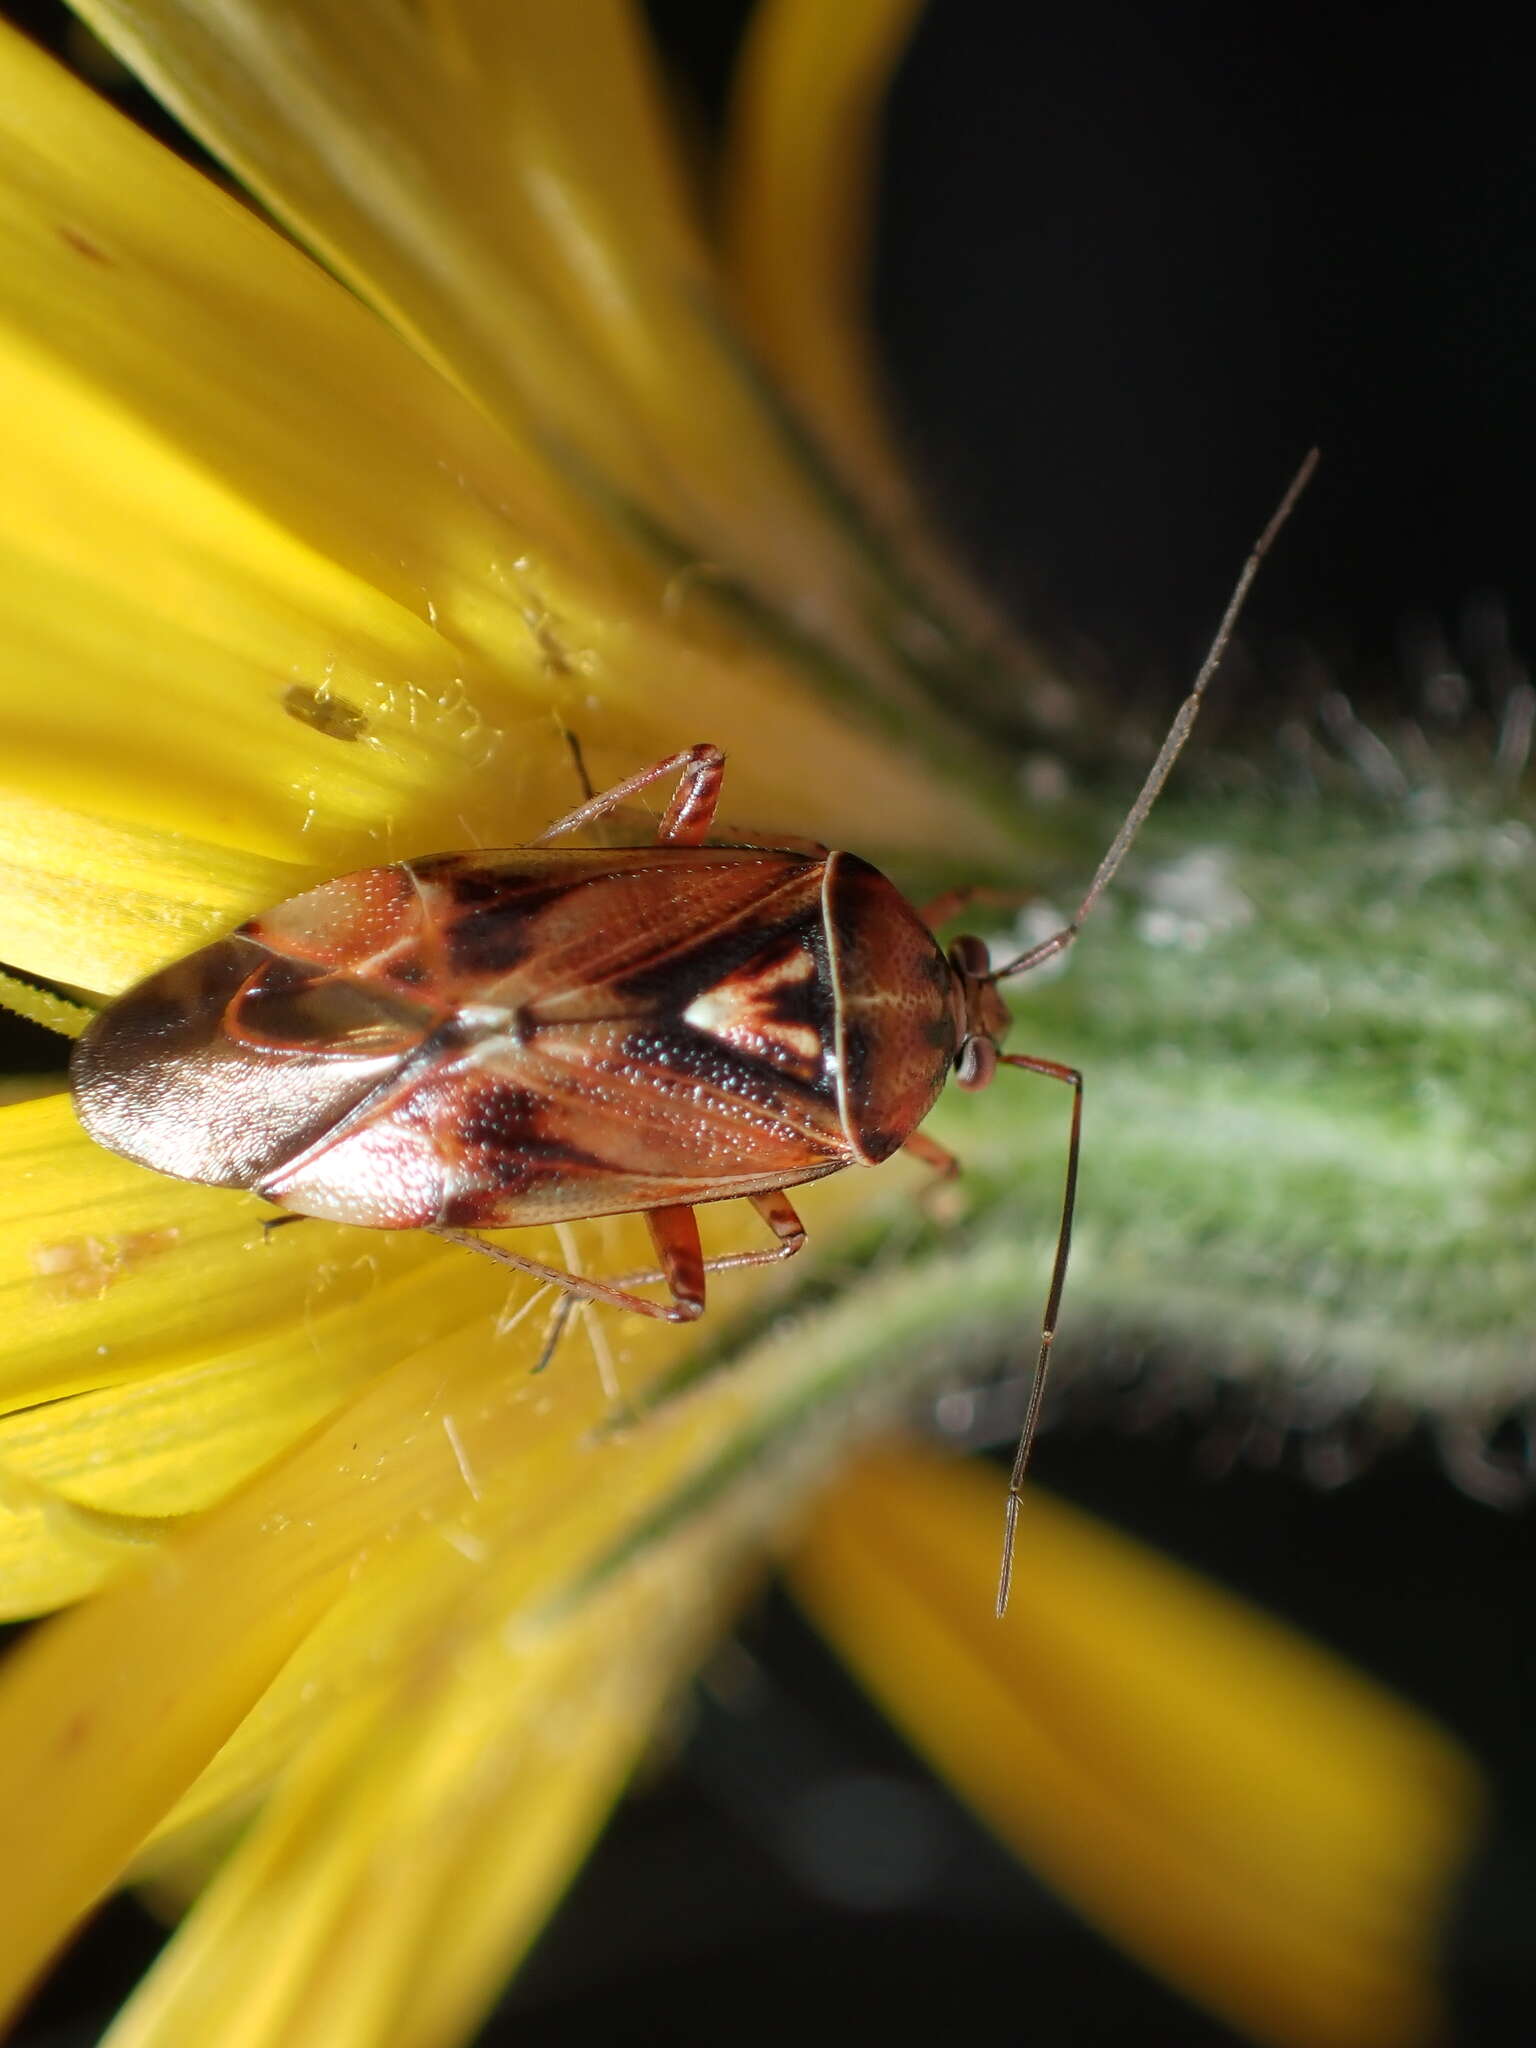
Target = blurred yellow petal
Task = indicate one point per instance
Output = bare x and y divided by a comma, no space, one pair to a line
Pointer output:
200,526
174,1439
95,1254
414,1850
191,1643
181,1651
595,217
53,1553
163,1346
473,203
799,203
455,1508
1269,1830
352,127
596,213
797,206
272,585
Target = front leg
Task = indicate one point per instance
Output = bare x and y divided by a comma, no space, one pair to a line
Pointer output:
946,908
699,770
932,1154
939,1199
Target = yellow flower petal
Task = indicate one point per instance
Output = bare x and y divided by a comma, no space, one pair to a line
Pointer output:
187,1691
282,594
596,214
98,905
456,1503
203,538
810,85
163,1346
352,127
177,1438
797,206
414,1850
1264,1827
108,1270
400,1483
40,1006
473,204
95,1255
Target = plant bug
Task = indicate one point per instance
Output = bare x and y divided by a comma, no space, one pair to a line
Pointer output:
475,1041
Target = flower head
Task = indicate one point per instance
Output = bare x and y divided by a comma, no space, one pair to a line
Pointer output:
308,566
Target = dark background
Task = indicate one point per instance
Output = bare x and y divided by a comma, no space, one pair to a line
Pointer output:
1132,263
1138,259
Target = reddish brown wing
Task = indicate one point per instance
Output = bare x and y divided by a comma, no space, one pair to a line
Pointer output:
619,1029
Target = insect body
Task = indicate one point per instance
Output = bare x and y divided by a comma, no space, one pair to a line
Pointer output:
476,1041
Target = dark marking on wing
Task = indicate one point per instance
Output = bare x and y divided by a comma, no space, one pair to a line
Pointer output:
502,1144
760,992
675,981
499,933
673,1048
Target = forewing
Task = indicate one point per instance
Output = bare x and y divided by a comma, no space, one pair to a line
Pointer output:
229,1063
590,933
629,1029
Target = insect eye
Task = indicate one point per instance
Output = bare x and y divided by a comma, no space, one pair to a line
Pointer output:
970,956
976,1063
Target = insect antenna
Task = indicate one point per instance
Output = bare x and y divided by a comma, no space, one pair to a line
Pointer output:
1058,942
1052,1316
1173,744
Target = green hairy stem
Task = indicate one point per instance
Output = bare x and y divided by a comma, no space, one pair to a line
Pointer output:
1307,1028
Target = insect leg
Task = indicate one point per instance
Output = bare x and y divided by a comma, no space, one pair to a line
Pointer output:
271,1223
932,1153
1074,1080
943,909
675,1234
699,771
778,1212
573,1283
782,1218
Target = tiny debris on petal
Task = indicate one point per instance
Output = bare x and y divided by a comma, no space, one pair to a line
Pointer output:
325,712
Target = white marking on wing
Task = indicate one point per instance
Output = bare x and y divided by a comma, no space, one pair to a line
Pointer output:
740,1010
